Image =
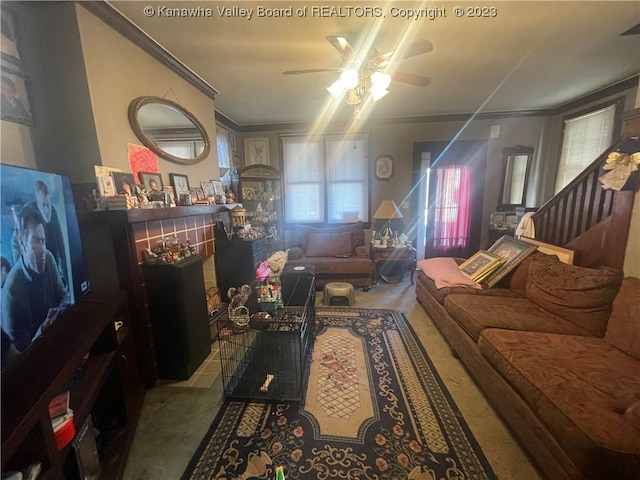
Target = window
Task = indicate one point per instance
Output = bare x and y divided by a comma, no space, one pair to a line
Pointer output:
452,207
326,178
224,149
585,137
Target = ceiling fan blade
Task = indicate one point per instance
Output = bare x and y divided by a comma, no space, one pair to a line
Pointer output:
417,80
312,70
416,48
343,47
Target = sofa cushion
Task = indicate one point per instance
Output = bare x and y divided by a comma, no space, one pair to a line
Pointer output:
516,280
300,234
328,245
580,387
474,313
580,295
623,329
340,266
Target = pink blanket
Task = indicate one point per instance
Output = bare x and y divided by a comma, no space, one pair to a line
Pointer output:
444,272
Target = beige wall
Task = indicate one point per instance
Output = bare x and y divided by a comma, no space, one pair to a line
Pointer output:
117,72
83,76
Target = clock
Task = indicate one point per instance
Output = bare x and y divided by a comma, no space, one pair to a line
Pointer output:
384,167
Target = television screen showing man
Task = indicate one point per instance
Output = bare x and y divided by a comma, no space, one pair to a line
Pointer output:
33,295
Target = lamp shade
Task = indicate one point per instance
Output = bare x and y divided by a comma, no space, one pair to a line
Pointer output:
387,210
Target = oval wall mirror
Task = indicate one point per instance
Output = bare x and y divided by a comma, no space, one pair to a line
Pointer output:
168,130
515,176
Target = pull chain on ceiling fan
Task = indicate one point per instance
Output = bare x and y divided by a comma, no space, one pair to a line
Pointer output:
368,77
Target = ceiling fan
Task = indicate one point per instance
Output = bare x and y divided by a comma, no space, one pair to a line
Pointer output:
366,75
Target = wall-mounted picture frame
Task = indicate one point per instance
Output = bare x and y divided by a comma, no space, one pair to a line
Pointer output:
151,181
256,150
124,182
15,96
207,189
218,189
232,142
384,167
512,251
180,184
15,105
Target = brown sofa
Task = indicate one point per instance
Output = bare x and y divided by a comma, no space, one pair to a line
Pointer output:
337,253
556,350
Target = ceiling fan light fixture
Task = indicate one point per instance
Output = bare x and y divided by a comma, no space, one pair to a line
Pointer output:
349,78
336,89
380,81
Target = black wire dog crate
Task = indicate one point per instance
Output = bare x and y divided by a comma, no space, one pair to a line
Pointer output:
267,361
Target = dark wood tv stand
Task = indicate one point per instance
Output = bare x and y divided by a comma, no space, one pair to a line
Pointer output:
82,353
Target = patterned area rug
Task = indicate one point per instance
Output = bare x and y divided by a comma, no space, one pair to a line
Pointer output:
375,408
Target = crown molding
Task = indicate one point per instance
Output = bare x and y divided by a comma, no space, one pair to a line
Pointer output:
121,24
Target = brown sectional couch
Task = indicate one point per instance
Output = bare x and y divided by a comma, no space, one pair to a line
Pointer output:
556,350
339,254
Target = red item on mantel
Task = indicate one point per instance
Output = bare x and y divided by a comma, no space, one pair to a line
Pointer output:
65,434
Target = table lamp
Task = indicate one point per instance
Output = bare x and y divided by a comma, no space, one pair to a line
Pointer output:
387,211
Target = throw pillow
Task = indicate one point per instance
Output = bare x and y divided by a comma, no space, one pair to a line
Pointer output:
581,295
326,245
444,272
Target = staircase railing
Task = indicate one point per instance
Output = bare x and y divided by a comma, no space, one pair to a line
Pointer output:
587,218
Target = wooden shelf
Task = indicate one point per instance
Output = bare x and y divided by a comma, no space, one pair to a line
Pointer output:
78,353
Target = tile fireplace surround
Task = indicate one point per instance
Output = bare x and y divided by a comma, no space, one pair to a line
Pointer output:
133,231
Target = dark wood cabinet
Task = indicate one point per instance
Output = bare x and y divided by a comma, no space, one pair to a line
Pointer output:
179,317
84,354
236,259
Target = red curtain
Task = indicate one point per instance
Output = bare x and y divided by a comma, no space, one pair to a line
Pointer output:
451,210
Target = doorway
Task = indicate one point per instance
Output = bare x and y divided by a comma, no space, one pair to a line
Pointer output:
448,189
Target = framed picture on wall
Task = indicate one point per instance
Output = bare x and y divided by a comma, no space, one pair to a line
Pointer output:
16,104
384,167
256,150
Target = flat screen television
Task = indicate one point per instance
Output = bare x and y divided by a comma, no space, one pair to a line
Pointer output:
43,265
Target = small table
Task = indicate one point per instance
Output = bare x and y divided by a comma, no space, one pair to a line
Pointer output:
390,263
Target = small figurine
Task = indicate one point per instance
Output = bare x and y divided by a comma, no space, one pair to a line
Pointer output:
238,296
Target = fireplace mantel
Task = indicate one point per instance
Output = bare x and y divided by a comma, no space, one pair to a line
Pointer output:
132,232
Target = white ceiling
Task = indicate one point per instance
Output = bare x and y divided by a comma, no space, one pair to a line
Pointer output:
529,56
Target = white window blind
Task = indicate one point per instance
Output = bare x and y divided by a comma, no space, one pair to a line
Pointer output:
585,137
326,179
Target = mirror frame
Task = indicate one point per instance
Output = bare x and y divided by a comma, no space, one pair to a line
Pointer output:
518,150
138,103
